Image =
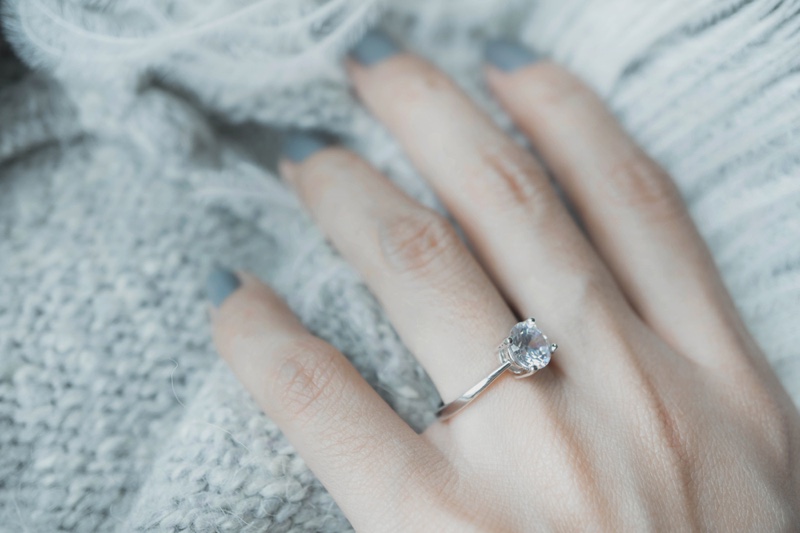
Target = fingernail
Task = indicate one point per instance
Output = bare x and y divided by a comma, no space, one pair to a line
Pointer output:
298,146
373,48
508,55
220,284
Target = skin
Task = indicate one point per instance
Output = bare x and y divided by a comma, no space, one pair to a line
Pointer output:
658,411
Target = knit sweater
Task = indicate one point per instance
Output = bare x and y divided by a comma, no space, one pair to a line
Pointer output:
137,149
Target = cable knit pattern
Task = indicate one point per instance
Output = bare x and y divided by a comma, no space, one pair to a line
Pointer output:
137,148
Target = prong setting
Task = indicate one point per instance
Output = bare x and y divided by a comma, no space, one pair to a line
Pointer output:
523,353
526,349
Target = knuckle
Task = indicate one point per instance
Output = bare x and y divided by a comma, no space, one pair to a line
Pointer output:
509,179
417,241
306,378
636,181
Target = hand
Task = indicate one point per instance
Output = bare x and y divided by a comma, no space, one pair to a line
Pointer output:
657,413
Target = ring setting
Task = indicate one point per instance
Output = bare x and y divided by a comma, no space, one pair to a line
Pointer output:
526,349
524,352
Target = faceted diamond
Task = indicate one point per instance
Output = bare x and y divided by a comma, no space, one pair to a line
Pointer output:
529,347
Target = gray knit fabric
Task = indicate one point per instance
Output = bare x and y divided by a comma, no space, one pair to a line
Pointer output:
137,149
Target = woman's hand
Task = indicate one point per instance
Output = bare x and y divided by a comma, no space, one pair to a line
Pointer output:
658,411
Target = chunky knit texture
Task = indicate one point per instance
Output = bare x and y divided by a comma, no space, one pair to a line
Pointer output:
137,149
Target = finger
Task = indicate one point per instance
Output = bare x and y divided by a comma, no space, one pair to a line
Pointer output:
442,304
355,444
498,194
630,206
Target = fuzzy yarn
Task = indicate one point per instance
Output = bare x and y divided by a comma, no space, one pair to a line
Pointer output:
137,148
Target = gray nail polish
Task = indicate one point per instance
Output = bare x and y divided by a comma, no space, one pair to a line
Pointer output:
508,55
373,48
220,284
297,146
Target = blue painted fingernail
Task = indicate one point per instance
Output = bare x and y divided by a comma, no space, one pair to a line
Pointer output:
373,48
298,146
220,284
508,55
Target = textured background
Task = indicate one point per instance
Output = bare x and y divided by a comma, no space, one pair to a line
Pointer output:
136,149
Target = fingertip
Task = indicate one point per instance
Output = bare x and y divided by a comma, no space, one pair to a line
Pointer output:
361,77
370,51
221,284
494,75
298,146
374,47
287,171
508,56
252,316
500,80
355,71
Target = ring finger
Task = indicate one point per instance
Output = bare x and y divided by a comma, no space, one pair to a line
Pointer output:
438,298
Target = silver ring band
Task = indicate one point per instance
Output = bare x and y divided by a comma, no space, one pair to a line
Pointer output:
524,352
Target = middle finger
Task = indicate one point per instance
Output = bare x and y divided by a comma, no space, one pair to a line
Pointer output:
496,190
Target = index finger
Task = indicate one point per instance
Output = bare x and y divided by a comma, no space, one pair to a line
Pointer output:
351,439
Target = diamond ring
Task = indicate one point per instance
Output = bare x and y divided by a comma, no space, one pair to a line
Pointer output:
525,351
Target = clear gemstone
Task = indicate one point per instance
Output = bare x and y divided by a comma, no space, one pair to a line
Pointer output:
529,347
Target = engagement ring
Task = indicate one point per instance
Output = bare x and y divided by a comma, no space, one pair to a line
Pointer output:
525,351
